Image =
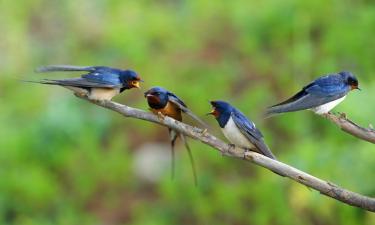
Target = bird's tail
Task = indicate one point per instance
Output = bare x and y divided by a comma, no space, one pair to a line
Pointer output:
263,149
266,151
183,138
272,111
44,81
55,68
173,136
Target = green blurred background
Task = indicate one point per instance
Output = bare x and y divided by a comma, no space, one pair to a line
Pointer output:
65,161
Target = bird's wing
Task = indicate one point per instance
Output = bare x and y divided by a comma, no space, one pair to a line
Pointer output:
103,77
98,75
55,68
328,86
250,131
78,82
175,100
319,92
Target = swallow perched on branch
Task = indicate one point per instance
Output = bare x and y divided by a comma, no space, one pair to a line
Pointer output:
320,96
238,129
100,83
165,103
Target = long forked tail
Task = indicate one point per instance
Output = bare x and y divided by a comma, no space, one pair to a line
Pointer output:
273,111
54,68
183,138
173,136
44,81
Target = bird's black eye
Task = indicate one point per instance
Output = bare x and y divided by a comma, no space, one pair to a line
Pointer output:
352,81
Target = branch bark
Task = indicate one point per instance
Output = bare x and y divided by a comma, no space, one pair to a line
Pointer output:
324,187
348,126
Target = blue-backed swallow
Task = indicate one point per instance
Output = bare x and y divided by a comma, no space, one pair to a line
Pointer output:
163,102
320,96
238,129
100,83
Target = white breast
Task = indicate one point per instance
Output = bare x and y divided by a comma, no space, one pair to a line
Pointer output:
234,135
103,93
328,106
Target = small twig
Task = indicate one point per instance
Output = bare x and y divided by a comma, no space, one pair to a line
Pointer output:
324,187
367,134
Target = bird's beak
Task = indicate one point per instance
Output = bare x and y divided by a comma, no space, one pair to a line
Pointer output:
135,84
354,87
212,112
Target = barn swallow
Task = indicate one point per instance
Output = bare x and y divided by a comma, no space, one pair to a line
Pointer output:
166,103
100,83
238,129
320,96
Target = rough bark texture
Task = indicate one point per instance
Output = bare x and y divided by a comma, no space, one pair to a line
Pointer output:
348,126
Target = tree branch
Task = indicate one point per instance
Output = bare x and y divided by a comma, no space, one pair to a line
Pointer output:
348,126
324,187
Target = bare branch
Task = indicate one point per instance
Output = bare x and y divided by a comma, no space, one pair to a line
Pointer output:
367,134
324,187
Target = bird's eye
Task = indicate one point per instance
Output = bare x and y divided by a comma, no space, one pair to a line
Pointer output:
351,81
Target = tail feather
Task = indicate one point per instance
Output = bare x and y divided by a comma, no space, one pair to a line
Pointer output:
278,109
274,110
173,136
55,68
262,148
44,81
191,159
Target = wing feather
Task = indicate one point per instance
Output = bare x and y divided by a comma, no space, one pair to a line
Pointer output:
79,82
175,100
248,129
55,68
321,91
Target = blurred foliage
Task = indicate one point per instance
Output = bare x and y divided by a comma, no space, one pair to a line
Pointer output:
64,161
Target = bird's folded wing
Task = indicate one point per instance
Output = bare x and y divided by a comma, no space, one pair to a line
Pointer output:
103,78
54,68
80,82
249,130
184,109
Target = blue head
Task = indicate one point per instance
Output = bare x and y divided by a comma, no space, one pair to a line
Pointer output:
157,97
129,79
222,111
350,80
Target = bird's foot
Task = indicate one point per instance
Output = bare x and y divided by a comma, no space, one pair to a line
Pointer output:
335,114
160,116
246,151
204,131
342,116
80,94
101,101
328,114
228,150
